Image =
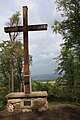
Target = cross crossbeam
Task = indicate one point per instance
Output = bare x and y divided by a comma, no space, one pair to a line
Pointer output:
25,28
30,28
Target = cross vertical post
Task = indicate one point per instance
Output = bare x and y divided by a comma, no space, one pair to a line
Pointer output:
26,51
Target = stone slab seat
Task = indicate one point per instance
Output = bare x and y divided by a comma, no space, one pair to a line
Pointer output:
15,95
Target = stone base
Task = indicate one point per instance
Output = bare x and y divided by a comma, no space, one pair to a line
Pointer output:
27,102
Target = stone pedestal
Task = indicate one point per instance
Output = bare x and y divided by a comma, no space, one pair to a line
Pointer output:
27,102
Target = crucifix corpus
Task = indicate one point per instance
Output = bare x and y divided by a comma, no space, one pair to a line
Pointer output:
25,28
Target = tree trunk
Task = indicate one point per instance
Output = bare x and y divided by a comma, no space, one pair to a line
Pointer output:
12,80
9,83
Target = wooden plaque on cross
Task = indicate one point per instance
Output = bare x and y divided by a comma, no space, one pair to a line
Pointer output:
25,28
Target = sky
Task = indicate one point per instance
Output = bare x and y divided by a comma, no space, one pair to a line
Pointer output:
43,45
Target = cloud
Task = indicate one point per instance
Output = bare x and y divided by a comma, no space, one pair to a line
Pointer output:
43,45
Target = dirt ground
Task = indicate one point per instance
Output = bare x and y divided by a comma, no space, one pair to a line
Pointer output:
55,112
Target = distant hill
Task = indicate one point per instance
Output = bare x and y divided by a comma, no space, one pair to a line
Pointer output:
44,77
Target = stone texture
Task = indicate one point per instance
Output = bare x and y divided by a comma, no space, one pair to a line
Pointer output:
14,104
40,104
15,101
26,110
23,95
10,108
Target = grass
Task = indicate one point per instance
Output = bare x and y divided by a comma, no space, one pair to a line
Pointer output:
50,82
64,103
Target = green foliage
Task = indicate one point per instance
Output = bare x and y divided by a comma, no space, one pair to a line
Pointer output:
40,86
3,92
69,59
14,21
57,91
11,58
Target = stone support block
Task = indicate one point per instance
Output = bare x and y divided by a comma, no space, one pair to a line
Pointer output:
27,102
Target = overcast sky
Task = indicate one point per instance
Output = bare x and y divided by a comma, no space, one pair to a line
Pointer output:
43,45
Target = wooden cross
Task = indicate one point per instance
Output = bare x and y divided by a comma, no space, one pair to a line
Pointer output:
25,28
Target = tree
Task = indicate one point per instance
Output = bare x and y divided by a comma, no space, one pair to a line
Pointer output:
14,21
69,28
11,59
